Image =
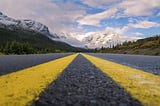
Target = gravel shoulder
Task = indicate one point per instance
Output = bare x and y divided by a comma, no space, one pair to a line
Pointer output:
146,63
13,63
82,84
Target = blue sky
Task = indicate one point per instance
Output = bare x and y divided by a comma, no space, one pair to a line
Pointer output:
124,17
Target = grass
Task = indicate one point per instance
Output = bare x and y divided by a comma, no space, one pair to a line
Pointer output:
2,53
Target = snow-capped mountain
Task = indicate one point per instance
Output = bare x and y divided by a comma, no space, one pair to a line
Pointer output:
71,39
29,25
88,40
97,39
94,39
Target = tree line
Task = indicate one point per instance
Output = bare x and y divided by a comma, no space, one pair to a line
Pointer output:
14,47
151,43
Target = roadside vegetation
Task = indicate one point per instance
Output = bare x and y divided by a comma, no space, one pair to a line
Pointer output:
147,46
27,42
1,53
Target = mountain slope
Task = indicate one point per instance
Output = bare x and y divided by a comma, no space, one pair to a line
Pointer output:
104,39
36,27
15,34
24,25
146,46
94,39
71,39
89,40
39,42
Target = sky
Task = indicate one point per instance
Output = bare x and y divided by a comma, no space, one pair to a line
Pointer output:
137,18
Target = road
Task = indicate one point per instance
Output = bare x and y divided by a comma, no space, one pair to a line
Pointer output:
147,63
82,84
79,80
12,63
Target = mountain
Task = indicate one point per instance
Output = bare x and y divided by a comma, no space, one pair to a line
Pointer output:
89,40
146,46
36,41
94,39
71,39
24,25
33,36
105,39
36,27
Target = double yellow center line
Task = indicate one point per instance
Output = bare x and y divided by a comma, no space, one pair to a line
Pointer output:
22,87
141,85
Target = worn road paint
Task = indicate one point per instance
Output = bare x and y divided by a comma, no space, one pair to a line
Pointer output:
22,87
141,85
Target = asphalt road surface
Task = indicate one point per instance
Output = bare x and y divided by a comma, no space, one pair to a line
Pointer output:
82,84
12,63
147,63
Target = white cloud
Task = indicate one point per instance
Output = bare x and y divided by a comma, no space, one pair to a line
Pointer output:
98,3
125,8
158,14
138,34
111,30
139,7
56,17
59,17
141,24
144,24
95,19
119,31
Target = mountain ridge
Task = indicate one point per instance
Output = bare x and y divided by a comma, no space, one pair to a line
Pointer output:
105,39
145,46
26,24
88,40
29,37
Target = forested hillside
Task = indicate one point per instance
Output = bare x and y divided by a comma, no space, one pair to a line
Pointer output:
147,46
24,42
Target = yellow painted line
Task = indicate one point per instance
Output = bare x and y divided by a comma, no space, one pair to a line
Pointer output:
141,85
22,87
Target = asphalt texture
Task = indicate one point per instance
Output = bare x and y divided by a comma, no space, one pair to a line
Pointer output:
147,63
13,63
82,84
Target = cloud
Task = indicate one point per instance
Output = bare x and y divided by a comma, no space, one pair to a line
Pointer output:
138,34
158,14
110,30
70,16
58,17
117,30
122,30
139,7
125,8
144,24
94,19
98,3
